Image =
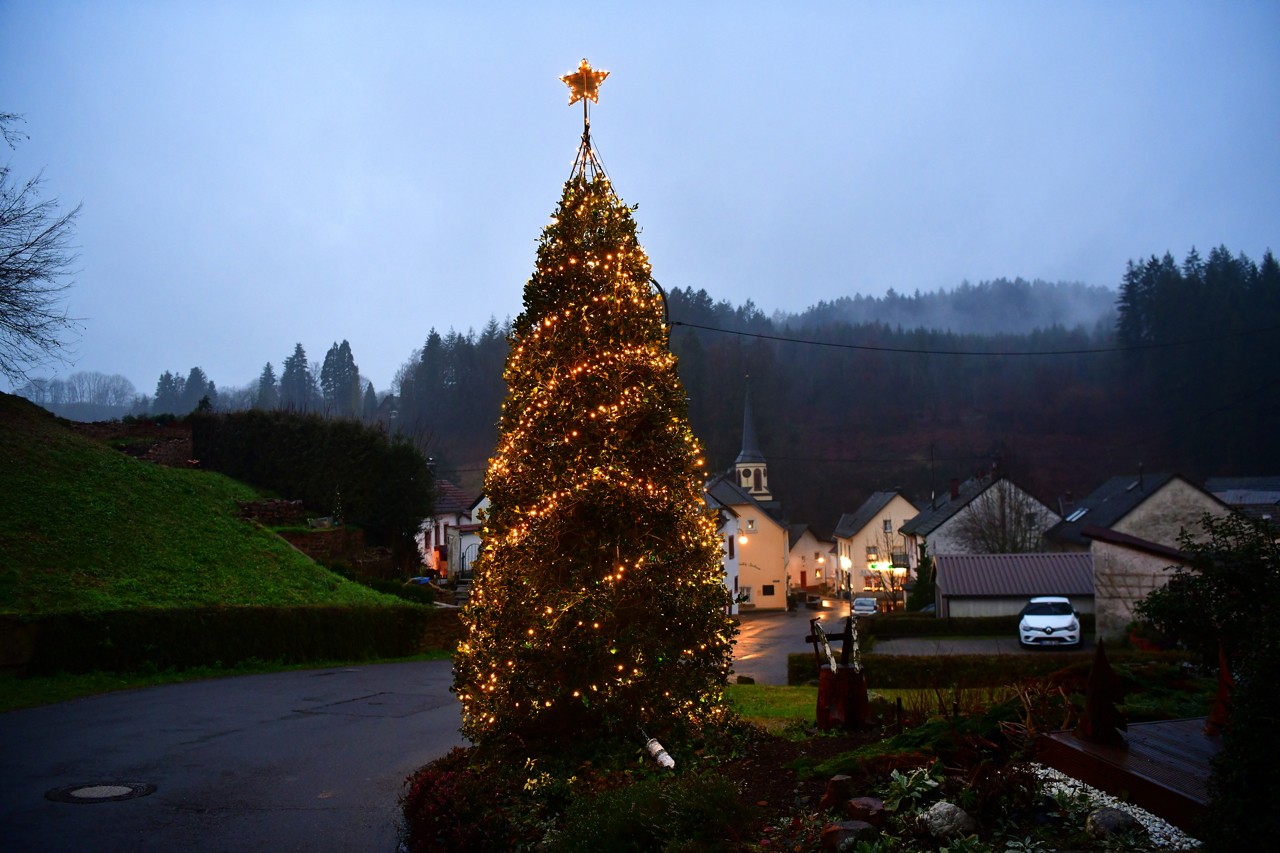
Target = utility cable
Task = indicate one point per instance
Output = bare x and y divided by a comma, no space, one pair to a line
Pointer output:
872,348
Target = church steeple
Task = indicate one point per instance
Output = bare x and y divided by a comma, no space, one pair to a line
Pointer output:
750,467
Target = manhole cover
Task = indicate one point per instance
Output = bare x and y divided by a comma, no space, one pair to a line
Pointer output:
100,792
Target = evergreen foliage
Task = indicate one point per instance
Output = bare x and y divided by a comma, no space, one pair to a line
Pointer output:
598,604
298,389
340,382
268,396
385,484
1222,295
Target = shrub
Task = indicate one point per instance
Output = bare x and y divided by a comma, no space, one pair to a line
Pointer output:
907,624
450,807
697,812
947,671
417,593
160,638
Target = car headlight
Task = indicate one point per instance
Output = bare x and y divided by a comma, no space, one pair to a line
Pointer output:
1074,626
1024,627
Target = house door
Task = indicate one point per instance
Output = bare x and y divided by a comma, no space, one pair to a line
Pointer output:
804,580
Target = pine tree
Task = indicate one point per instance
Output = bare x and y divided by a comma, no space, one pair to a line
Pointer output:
169,390
268,394
598,604
297,384
197,387
340,381
370,407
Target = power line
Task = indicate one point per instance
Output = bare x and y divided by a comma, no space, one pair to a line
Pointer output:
871,348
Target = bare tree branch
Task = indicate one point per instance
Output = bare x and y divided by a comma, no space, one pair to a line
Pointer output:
36,256
1002,520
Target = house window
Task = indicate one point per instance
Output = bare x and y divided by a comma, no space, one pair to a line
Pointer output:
729,539
751,525
767,589
873,553
888,525
745,594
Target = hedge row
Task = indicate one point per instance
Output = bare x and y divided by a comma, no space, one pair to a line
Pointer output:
132,640
947,671
886,626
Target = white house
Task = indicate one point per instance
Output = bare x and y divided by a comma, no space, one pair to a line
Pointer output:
763,542
870,550
454,510
941,526
809,563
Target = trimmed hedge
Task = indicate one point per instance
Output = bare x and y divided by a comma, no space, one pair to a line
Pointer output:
947,671
913,625
160,638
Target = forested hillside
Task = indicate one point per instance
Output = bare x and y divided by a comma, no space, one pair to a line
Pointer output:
838,423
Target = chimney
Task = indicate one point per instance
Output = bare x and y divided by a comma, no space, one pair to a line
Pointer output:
955,488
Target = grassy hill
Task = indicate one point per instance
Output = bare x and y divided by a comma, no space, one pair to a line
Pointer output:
87,528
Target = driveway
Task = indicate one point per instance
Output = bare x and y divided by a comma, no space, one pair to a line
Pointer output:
970,646
311,760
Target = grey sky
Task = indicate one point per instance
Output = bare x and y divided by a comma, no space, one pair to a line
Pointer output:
263,173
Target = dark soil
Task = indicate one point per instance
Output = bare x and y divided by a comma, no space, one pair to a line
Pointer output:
769,784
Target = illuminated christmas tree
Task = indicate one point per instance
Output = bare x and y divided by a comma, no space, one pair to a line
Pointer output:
598,604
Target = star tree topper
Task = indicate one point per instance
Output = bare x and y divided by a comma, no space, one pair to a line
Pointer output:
585,83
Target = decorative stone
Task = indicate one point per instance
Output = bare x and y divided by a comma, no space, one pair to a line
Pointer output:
945,819
868,809
1106,822
838,792
841,835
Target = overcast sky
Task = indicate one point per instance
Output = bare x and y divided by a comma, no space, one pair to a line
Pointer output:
259,174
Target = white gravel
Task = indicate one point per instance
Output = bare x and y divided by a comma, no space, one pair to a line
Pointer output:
1163,833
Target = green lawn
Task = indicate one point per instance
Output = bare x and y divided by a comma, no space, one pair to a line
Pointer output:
27,692
770,705
85,527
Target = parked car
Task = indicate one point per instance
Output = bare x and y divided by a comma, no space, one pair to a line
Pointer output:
865,607
1049,621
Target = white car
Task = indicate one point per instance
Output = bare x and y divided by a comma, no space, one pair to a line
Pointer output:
865,607
1049,621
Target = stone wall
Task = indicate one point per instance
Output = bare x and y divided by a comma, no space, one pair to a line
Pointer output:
325,546
277,513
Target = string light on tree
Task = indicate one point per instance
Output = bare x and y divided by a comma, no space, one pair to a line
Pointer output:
598,604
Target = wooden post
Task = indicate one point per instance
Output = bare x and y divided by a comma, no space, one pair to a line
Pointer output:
842,699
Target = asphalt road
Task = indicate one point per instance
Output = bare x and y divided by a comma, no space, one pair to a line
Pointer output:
765,639
311,760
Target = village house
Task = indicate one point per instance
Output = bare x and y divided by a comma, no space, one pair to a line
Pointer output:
809,563
1154,507
871,555
453,510
940,526
1131,525
763,540
1256,497
727,528
1125,569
